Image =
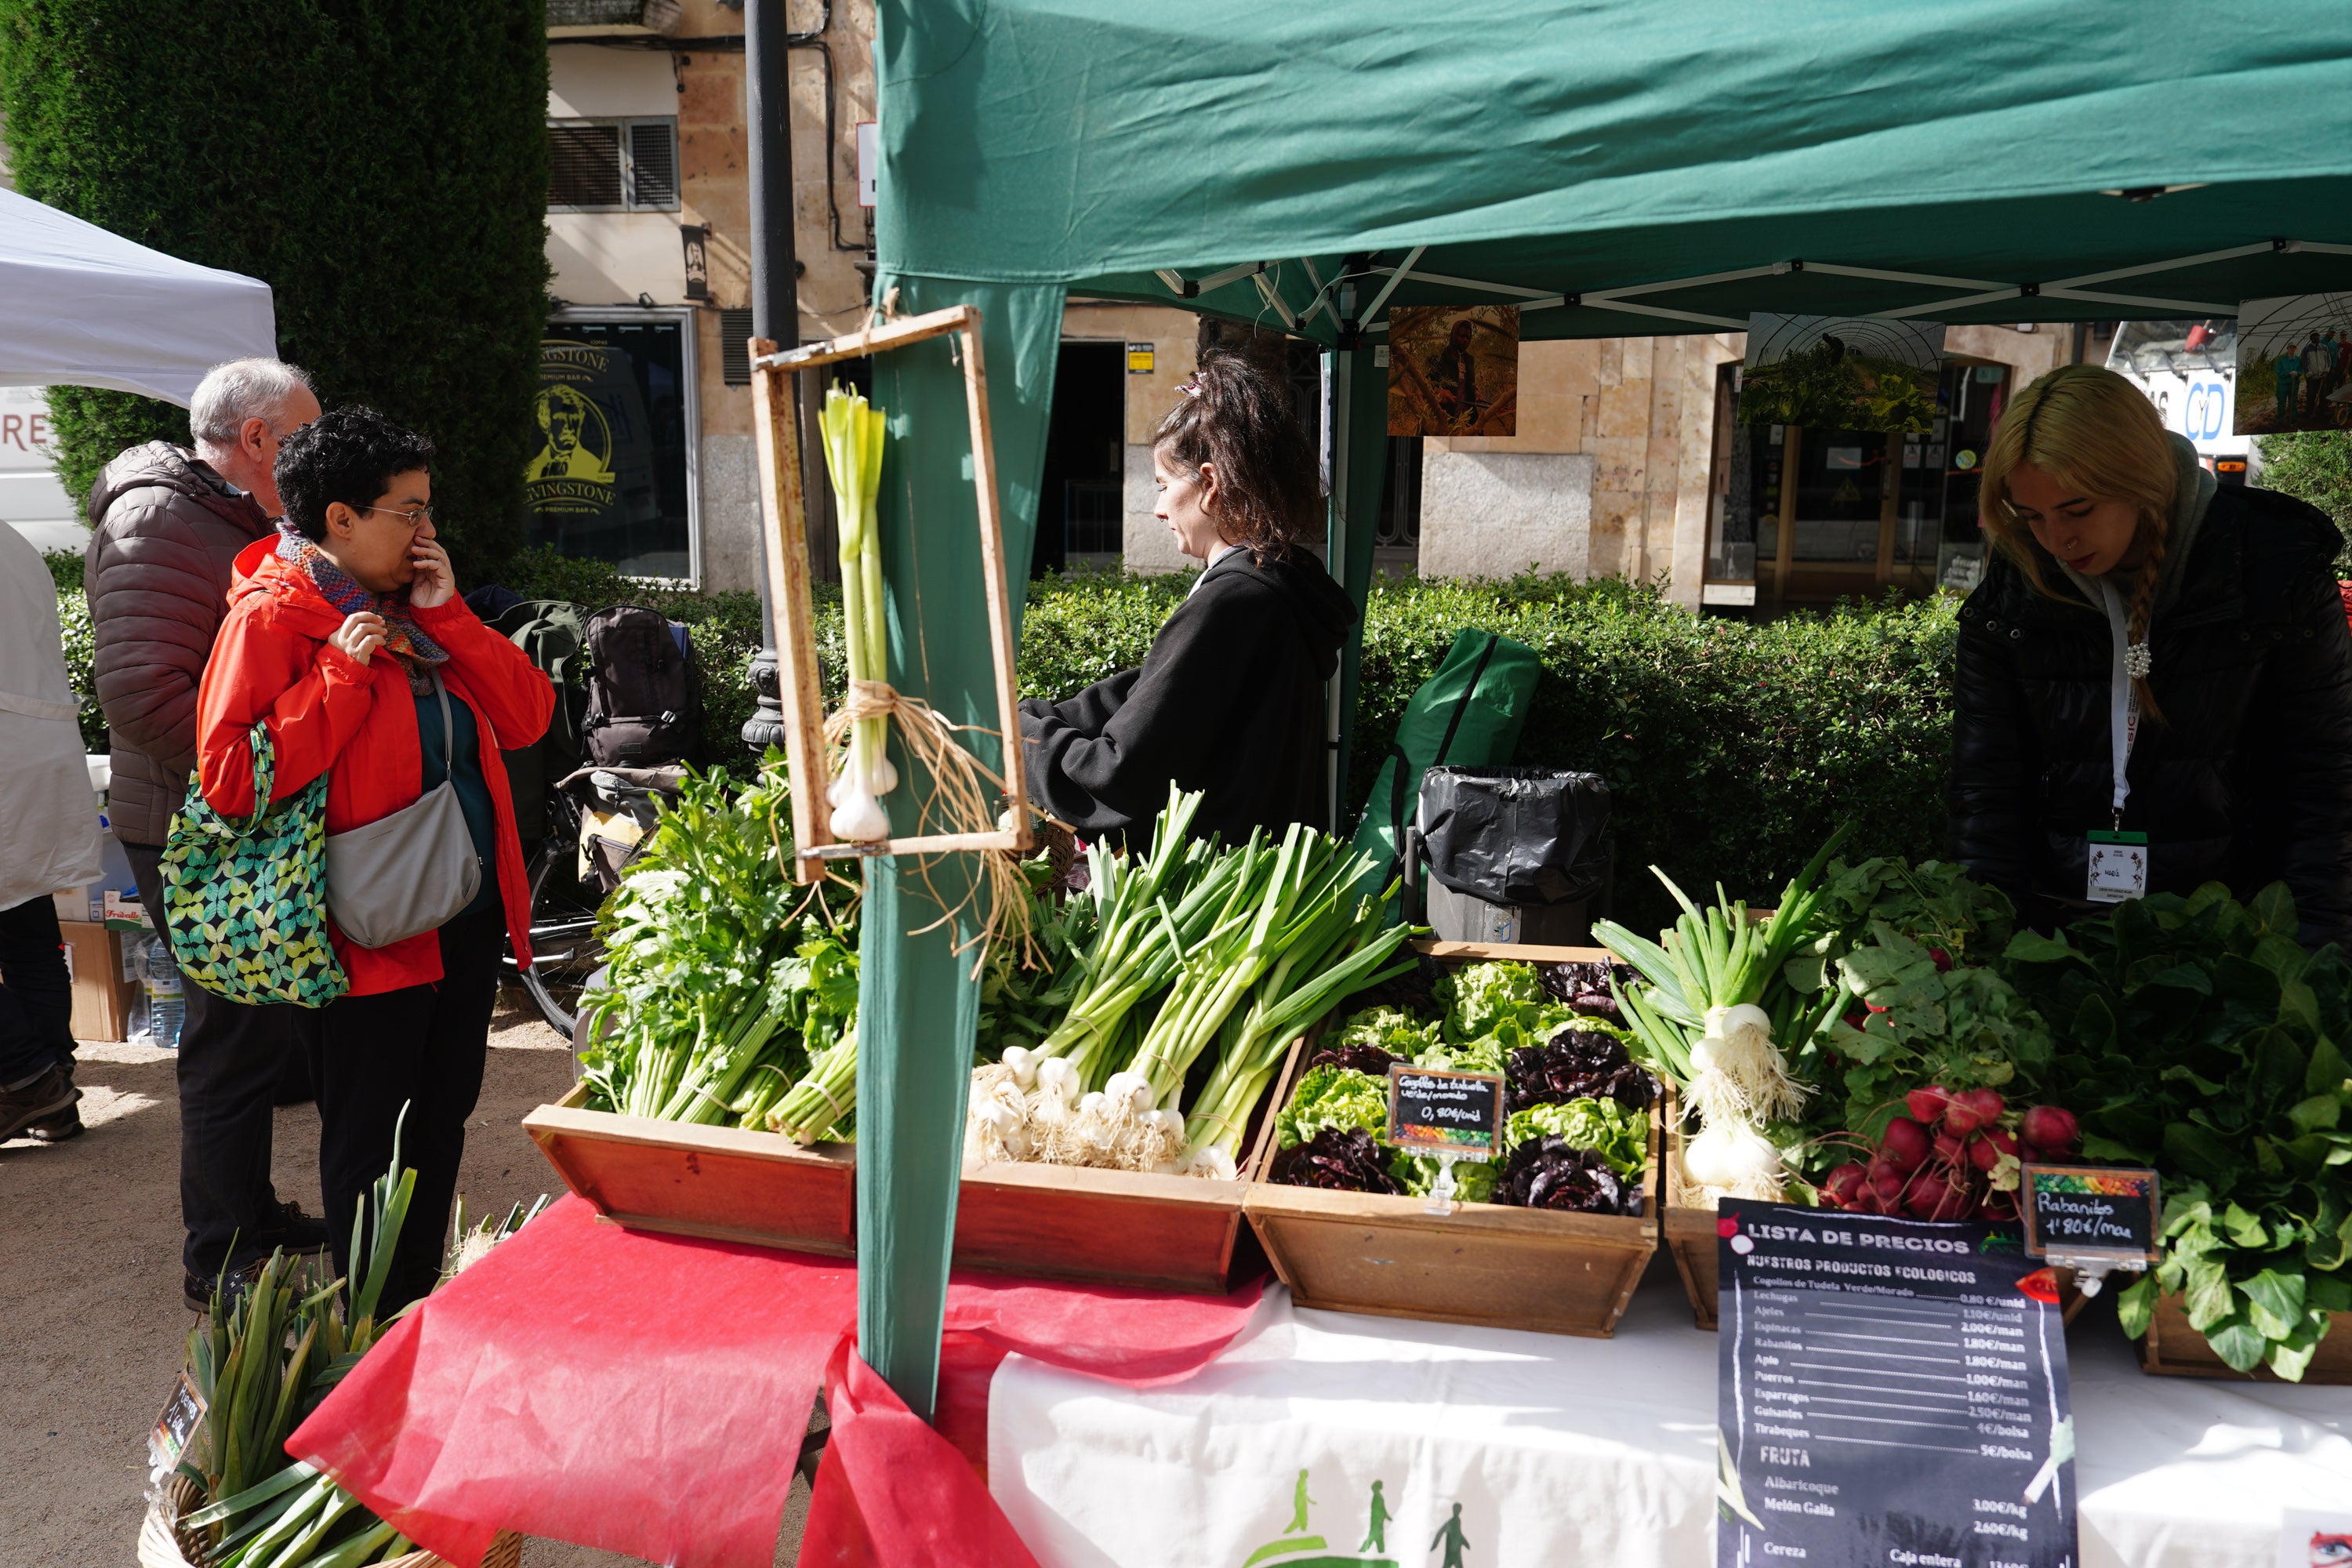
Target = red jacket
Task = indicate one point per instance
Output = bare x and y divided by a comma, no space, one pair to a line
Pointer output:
357,724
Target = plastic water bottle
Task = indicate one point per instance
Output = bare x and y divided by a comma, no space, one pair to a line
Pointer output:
164,1005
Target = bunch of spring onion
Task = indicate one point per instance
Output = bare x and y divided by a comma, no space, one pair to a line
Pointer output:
1248,945
1714,1014
259,1510
853,459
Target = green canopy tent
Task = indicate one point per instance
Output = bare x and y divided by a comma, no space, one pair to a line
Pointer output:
1615,167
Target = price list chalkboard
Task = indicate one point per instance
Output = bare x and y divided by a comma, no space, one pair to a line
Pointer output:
1894,1395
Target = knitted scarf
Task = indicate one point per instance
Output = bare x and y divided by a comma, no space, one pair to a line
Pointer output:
402,637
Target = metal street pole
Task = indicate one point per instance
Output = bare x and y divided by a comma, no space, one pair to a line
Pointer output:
775,295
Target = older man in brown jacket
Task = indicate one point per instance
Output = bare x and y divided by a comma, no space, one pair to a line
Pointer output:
168,524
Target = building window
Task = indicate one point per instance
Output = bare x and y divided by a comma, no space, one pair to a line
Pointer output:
612,165
611,475
735,347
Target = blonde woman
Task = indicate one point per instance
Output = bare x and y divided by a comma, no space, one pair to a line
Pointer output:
2154,683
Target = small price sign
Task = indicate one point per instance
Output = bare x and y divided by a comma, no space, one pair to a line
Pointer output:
2092,1213
1438,1112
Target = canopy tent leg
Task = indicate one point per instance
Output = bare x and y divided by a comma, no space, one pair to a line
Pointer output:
917,1003
1360,426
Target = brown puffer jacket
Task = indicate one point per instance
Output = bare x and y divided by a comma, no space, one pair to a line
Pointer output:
165,529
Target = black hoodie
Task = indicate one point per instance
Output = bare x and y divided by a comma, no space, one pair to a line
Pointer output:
1229,701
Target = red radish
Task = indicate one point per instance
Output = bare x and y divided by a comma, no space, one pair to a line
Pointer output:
1986,1148
1857,1018
2049,1129
1844,1185
1904,1144
1943,960
1928,1104
1997,1206
1971,1109
1887,1185
1949,1148
1931,1197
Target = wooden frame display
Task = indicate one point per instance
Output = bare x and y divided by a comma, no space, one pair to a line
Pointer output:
784,503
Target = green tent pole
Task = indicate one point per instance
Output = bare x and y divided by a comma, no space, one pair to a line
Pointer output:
1359,422
918,1002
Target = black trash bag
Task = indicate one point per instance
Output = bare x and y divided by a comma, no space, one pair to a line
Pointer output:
1515,836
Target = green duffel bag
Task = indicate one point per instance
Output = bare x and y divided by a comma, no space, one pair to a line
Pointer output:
1468,714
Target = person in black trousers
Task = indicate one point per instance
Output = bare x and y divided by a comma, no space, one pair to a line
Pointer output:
35,1021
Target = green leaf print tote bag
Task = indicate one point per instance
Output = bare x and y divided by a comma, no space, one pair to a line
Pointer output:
246,904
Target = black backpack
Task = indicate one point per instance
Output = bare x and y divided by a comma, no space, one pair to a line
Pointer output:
552,634
645,700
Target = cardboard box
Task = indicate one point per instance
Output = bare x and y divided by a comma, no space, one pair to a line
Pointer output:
103,997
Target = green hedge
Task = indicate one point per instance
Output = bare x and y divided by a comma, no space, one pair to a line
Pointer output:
381,165
1731,749
2315,466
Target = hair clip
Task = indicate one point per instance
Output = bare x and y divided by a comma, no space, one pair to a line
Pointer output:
1190,386
2138,660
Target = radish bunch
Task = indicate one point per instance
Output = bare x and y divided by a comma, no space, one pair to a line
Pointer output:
1956,1156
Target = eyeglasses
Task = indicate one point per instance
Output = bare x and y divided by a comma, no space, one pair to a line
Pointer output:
415,519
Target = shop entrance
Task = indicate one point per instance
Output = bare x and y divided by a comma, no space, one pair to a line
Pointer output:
1079,504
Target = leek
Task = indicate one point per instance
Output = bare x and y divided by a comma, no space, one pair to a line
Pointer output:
853,459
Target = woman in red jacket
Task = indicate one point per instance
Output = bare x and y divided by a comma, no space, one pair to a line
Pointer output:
335,628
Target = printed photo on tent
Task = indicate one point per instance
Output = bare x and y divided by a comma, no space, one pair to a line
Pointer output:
2292,364
1841,373
1454,369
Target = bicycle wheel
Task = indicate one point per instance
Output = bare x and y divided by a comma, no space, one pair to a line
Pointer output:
564,947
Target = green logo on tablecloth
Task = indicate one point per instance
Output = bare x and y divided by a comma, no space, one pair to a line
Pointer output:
1296,1548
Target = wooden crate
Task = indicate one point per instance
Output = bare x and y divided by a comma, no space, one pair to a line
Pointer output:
729,1183
1486,1264
2173,1348
1120,1227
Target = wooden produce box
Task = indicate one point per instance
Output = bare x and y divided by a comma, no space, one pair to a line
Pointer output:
1120,1227
1487,1264
727,1183
102,998
2173,1348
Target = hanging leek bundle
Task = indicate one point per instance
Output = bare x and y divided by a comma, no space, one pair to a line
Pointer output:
853,458
960,787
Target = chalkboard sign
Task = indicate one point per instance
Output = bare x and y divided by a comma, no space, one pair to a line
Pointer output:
1892,1392
1457,1113
2089,1212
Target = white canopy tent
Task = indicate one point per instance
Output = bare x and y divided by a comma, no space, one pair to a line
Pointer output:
81,307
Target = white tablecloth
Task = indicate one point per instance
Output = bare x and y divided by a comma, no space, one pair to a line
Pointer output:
1565,1451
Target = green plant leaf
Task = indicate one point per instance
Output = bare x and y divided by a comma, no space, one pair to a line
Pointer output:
2032,947
2136,1305
2274,1301
2238,1342
2243,1228
2208,1298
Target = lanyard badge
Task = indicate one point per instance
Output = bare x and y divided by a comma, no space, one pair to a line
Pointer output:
2118,860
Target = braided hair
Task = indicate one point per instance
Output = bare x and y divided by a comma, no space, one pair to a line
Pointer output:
1235,415
2096,434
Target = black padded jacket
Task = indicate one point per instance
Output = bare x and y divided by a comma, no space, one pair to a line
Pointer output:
2246,779
1229,701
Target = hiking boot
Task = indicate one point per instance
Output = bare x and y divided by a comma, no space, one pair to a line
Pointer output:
39,1100
198,1291
291,1230
64,1124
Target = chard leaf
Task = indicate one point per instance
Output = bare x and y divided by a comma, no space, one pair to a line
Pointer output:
2325,1073
2238,1342
2274,909
2318,1113
2208,1296
2243,1228
2136,1305
2032,947
2198,1151
2291,1355
2327,1293
2274,1301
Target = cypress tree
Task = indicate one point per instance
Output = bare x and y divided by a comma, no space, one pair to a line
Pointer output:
382,164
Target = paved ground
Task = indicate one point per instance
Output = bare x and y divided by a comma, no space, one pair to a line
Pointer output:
92,1329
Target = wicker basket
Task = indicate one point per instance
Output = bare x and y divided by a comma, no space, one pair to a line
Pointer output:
160,1545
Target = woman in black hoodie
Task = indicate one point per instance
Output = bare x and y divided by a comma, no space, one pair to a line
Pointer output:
1230,700
2136,610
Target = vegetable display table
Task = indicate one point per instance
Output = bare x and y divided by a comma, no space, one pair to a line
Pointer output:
1568,1450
